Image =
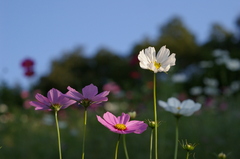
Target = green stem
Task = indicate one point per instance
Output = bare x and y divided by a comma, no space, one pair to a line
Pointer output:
84,132
58,134
151,143
155,116
187,155
176,142
116,150
125,146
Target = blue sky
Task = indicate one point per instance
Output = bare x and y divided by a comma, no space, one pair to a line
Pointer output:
43,30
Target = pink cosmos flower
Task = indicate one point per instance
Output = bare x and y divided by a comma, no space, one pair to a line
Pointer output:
121,124
55,100
89,96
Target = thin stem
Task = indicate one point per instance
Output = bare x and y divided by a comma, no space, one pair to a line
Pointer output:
84,132
155,115
151,143
58,134
116,150
125,146
187,154
176,142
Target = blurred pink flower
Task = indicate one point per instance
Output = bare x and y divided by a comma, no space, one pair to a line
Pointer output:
55,100
27,63
113,87
29,72
89,96
121,124
26,104
24,94
135,75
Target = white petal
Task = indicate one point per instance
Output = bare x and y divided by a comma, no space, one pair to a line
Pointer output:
189,107
143,65
170,61
163,54
162,104
142,57
174,102
150,54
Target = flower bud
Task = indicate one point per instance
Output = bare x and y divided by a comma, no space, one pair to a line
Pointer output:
151,123
188,146
222,155
132,114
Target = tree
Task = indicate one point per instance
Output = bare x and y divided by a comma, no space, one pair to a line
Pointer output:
178,39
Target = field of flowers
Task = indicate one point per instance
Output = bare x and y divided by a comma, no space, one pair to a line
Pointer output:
27,133
31,134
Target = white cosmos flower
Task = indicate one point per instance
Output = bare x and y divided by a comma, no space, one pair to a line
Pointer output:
160,63
186,108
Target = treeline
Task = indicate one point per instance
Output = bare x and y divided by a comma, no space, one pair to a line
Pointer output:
76,70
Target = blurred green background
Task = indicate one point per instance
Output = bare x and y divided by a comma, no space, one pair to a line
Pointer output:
207,73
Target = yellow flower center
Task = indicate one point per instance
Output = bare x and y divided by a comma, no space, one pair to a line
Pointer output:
56,107
178,108
120,126
157,65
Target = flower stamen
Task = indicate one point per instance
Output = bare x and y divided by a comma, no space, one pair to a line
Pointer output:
120,126
157,65
56,107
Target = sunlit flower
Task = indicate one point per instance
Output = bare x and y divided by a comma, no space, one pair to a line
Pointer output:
156,63
185,108
55,100
121,124
89,96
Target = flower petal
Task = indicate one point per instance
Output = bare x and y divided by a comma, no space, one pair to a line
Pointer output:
42,99
100,97
73,94
105,123
110,118
123,119
65,102
135,126
53,95
89,91
163,54
39,105
174,102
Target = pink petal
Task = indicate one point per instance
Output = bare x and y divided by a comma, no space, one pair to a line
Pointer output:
124,118
110,118
105,123
65,102
136,126
73,94
42,99
53,95
101,97
89,91
39,106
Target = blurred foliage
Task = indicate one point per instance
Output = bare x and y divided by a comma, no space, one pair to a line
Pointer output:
10,95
